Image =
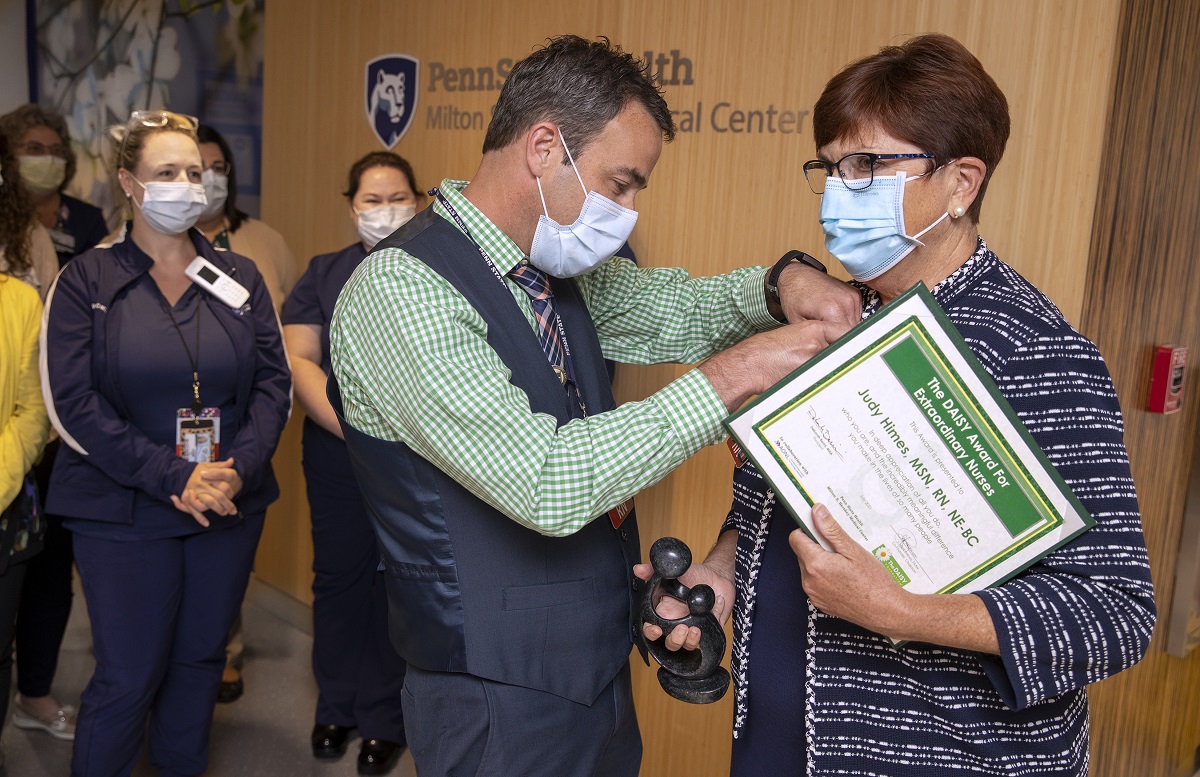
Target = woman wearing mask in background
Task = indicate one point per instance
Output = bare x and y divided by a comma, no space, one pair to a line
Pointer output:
170,401
358,672
229,229
23,432
35,200
43,145
26,252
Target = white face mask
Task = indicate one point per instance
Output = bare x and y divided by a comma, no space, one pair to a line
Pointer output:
171,207
42,174
602,228
216,188
377,223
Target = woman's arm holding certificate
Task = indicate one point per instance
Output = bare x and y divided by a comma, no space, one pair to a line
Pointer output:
850,583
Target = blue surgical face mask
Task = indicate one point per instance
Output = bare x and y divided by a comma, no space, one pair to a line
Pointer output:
602,228
865,229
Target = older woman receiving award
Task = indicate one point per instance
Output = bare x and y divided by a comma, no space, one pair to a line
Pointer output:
989,683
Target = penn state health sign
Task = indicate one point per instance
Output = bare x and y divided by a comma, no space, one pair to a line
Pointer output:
391,96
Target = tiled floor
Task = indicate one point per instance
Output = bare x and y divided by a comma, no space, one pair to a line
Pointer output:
263,734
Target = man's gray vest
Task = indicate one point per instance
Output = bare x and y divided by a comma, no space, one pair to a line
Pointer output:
469,589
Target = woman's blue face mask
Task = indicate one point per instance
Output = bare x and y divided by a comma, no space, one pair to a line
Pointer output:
865,229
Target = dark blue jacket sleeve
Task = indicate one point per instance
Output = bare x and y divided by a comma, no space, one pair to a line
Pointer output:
84,418
270,402
1086,611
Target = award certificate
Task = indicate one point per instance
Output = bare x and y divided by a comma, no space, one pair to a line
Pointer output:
901,433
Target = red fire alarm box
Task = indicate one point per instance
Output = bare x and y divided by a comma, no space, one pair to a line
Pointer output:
1166,384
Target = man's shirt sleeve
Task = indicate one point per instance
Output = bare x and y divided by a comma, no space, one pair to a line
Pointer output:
413,363
647,315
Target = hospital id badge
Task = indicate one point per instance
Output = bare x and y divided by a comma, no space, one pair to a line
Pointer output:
198,437
618,514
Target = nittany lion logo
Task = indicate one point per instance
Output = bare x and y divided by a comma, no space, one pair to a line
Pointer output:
391,96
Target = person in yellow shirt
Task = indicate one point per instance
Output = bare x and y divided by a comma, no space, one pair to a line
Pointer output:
24,428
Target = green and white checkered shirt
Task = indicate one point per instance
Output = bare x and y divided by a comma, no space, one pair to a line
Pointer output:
413,363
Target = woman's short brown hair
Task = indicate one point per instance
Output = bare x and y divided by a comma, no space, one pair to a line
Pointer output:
929,91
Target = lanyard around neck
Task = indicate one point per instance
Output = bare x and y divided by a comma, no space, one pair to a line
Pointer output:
558,325
194,360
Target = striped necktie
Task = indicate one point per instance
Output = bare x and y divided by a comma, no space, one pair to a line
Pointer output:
537,286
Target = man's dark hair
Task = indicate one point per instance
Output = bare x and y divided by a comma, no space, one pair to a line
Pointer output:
578,84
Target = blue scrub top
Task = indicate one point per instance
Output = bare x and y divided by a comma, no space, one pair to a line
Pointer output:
314,295
80,227
154,375
326,461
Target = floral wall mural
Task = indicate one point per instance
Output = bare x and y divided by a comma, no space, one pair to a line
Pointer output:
98,60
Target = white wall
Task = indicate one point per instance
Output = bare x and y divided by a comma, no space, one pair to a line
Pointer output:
14,67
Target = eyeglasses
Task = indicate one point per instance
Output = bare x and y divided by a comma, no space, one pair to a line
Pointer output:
162,118
220,168
33,148
155,119
857,171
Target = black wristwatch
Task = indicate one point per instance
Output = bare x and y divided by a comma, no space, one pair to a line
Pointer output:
784,261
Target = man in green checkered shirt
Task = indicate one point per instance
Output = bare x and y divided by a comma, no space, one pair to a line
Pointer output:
486,443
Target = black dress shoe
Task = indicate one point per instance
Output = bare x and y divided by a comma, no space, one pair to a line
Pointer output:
330,741
378,757
230,692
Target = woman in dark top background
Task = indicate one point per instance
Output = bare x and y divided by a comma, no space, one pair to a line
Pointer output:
358,672
170,402
47,163
230,229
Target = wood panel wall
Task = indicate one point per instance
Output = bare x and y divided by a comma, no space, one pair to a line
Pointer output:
1142,291
716,201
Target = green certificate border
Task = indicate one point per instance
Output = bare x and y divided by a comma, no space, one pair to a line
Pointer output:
912,327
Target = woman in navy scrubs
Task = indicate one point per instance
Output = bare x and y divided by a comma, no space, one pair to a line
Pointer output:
358,672
170,400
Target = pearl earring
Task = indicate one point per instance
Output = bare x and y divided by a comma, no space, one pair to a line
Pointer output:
958,212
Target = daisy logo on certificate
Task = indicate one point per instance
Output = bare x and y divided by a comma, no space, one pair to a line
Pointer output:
891,565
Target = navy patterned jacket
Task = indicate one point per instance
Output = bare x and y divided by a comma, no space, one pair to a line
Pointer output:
1081,614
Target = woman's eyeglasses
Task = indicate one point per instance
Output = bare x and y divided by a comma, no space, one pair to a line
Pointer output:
156,119
857,171
33,148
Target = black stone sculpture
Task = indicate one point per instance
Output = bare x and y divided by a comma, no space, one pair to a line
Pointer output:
694,676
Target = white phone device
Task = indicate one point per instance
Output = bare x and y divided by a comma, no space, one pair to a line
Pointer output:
220,285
